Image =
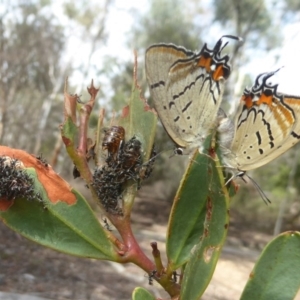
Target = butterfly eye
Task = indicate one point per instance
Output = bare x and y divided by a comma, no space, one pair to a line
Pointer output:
178,151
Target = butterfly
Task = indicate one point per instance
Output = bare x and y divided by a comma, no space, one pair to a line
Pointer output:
187,89
265,125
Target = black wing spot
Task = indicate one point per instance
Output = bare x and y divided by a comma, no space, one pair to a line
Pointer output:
258,137
187,106
176,119
187,87
171,104
157,84
295,135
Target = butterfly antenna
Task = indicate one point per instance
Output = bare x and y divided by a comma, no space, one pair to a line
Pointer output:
159,153
224,46
155,156
230,179
261,193
233,37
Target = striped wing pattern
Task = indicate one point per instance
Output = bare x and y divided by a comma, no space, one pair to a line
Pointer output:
187,89
266,125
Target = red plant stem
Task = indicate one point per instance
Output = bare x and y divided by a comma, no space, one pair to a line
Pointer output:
134,254
85,112
133,251
78,154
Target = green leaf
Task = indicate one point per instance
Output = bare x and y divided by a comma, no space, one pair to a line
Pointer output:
214,202
69,131
72,229
142,294
139,121
276,274
186,222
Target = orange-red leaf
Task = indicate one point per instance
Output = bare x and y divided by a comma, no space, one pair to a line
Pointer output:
57,189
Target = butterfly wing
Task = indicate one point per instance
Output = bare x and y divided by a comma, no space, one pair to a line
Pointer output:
187,89
266,125
159,59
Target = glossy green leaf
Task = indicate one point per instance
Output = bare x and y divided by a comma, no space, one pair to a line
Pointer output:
142,294
72,229
276,274
186,222
205,254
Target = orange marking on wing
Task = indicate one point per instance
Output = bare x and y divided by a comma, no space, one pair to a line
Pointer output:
263,99
294,102
179,66
218,73
56,188
283,116
289,116
248,101
205,63
181,70
169,50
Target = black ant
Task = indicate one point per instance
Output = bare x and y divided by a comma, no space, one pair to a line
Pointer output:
151,276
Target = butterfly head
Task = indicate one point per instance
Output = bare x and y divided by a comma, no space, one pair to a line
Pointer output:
212,60
261,92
